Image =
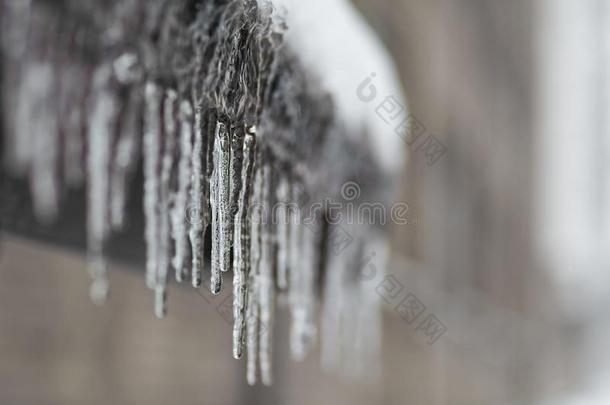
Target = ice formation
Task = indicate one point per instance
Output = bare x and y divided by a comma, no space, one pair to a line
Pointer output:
239,139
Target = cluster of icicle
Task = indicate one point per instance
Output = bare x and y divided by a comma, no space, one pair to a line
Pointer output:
228,126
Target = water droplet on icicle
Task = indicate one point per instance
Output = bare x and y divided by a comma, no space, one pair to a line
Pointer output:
104,113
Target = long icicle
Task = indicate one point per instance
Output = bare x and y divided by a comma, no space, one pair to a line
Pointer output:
252,328
20,45
297,230
167,162
45,142
283,231
127,72
367,342
332,325
221,243
241,262
151,150
104,113
267,286
198,205
253,311
215,256
235,178
125,159
75,83
224,199
181,217
307,302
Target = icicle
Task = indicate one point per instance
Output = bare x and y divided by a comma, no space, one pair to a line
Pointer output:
304,251
200,192
215,256
253,311
283,232
341,307
151,150
14,24
241,248
362,334
30,72
296,235
221,225
252,326
351,319
224,202
235,174
267,286
180,216
368,328
44,138
75,86
350,364
167,163
127,71
125,159
103,118
29,92
331,313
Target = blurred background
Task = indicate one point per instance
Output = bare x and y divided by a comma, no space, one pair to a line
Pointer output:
508,251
